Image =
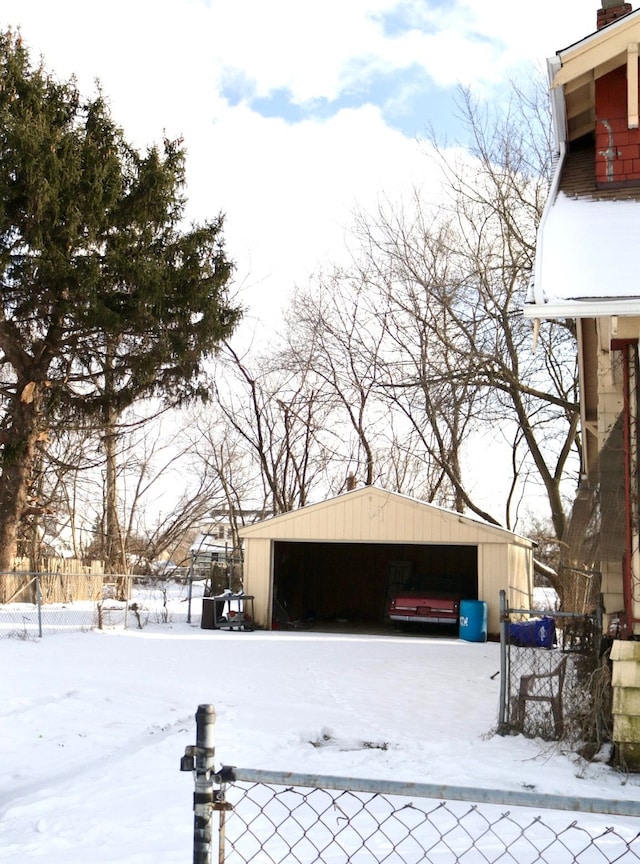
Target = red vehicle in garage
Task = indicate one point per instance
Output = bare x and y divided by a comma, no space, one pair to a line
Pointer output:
424,607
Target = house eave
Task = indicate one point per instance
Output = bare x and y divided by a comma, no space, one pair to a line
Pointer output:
595,308
608,44
574,71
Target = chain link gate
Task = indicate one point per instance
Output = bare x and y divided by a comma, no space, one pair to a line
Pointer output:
287,818
554,679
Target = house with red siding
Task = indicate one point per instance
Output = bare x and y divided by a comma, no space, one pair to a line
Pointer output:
587,273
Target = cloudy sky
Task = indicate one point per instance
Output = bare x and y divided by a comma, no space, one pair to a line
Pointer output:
294,112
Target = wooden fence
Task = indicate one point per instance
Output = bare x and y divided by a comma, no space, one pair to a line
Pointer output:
62,580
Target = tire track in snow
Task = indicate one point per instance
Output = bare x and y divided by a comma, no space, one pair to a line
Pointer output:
44,786
34,704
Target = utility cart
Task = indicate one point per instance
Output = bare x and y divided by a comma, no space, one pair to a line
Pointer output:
227,611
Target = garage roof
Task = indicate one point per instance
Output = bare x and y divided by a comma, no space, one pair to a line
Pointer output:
371,514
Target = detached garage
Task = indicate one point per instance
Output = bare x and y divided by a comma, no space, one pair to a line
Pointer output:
341,559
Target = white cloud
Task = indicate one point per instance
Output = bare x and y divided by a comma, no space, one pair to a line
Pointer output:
303,47
288,192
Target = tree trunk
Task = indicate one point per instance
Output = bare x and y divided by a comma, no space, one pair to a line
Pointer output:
114,552
17,467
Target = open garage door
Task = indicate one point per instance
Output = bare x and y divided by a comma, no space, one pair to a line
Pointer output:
351,582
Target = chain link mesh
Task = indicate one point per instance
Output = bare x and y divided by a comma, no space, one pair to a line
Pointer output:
287,824
557,691
40,604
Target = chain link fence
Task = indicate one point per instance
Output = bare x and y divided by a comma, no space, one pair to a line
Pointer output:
303,820
243,815
41,603
554,675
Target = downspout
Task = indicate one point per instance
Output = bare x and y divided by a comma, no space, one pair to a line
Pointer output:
558,114
626,447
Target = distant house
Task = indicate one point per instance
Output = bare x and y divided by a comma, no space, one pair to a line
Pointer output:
587,271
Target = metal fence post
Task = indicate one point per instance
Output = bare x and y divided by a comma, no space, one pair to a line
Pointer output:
39,604
199,760
127,602
190,590
503,661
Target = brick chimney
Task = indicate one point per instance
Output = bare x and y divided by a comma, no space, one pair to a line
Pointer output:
611,11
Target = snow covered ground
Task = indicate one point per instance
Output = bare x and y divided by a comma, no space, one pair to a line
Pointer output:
93,725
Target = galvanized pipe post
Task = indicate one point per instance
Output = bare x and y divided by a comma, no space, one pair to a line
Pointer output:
39,602
502,708
199,760
190,591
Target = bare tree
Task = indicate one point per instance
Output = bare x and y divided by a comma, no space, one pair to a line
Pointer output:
166,493
223,452
399,362
279,416
333,330
454,276
428,319
163,492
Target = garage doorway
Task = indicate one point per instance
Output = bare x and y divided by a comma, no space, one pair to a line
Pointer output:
349,583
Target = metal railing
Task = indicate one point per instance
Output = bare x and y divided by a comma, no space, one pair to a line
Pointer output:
282,817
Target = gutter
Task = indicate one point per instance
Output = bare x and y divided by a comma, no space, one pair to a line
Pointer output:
584,308
559,119
551,198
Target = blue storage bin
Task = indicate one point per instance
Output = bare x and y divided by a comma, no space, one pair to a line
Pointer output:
536,633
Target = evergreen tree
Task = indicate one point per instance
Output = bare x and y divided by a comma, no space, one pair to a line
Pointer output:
106,296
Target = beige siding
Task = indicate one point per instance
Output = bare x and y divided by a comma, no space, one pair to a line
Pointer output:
257,579
492,577
504,567
520,569
371,515
610,405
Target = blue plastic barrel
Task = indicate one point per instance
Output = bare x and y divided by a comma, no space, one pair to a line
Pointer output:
473,620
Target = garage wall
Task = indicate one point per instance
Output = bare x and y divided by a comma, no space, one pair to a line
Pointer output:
504,567
520,587
492,572
500,566
257,578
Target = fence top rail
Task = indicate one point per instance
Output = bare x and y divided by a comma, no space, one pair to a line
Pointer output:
229,774
550,612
